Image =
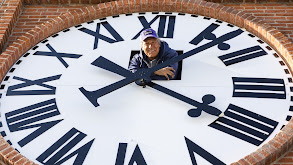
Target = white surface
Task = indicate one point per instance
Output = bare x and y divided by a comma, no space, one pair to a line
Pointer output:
144,116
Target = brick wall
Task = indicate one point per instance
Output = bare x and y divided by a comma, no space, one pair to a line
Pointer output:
278,15
9,13
278,150
33,15
287,159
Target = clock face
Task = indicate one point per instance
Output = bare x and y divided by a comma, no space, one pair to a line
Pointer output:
59,104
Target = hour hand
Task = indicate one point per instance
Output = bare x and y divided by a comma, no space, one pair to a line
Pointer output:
93,96
204,106
106,64
102,62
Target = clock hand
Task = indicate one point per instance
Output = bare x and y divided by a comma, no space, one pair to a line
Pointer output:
195,112
145,73
207,99
216,41
92,96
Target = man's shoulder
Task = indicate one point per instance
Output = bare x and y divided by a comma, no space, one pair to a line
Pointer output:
168,50
136,57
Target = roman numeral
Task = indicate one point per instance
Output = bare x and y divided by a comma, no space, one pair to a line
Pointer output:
259,88
98,36
59,56
242,55
56,153
30,117
194,148
136,157
246,125
163,25
13,90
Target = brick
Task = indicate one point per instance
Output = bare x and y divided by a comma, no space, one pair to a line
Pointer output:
6,151
143,5
235,163
3,67
25,41
286,160
126,8
114,8
243,162
155,5
119,9
250,159
21,161
196,7
8,56
16,158
11,155
207,9
201,8
103,10
80,16
29,163
213,10
172,4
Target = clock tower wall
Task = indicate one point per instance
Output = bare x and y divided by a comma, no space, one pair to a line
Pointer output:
267,154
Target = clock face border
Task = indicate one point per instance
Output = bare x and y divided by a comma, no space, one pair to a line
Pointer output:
277,146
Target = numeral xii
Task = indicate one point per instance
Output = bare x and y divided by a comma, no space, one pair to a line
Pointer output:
166,23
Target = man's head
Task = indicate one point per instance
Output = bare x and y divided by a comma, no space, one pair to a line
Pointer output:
150,43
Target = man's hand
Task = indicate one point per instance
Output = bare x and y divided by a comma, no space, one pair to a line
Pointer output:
167,71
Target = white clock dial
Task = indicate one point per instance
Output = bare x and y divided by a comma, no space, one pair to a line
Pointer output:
41,95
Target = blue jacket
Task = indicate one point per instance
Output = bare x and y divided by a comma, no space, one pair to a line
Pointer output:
140,61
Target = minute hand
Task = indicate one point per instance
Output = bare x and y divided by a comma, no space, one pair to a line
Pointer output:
216,41
146,73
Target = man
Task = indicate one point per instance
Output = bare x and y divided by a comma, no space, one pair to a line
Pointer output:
153,52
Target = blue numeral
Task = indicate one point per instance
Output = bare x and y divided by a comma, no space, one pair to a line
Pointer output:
59,56
13,90
242,55
98,36
136,157
30,117
55,154
194,148
245,125
162,25
259,88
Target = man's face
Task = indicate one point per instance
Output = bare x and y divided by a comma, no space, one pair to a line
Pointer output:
151,47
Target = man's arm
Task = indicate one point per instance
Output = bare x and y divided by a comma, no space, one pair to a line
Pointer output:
134,64
169,72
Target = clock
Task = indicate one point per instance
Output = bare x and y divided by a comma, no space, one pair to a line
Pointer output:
71,100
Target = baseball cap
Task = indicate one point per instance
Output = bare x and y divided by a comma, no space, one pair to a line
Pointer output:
148,33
